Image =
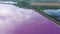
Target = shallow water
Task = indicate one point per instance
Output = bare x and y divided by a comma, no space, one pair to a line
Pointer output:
54,13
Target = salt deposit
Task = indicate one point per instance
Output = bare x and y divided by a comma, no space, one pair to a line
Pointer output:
11,15
11,12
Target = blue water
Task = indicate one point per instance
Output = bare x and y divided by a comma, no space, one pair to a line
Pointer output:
53,13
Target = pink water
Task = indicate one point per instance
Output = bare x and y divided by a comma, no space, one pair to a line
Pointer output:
15,20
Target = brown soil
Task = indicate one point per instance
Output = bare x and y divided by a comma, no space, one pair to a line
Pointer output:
45,4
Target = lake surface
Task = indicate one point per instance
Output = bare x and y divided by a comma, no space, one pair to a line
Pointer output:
54,13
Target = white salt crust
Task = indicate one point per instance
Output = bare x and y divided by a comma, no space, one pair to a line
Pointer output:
11,12
11,15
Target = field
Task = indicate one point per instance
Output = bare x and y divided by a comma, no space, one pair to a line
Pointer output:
46,3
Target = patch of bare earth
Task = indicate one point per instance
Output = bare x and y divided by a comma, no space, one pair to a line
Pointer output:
45,4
